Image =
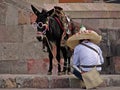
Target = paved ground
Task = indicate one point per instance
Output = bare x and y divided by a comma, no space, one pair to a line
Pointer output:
102,88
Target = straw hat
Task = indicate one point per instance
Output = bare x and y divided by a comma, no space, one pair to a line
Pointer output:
83,34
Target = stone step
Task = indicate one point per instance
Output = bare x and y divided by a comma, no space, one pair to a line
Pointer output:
101,88
50,81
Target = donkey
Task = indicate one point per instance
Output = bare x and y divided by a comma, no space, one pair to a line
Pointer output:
50,25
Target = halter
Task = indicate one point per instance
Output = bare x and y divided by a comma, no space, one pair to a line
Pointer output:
40,25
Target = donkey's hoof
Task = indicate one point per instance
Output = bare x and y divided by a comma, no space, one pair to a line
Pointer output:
59,73
49,73
69,73
63,73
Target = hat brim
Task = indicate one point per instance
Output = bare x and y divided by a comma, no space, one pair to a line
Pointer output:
89,34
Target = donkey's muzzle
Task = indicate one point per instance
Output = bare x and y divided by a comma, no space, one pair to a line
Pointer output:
39,38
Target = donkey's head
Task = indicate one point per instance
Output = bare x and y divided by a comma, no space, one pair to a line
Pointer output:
41,21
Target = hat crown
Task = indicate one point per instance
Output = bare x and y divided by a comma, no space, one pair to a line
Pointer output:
82,28
83,34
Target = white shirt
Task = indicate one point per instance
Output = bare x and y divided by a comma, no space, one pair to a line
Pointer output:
86,56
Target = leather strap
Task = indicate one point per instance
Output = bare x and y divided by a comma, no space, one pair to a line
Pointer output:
90,48
90,66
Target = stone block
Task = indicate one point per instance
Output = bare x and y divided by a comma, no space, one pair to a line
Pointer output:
91,23
29,34
118,49
11,15
112,80
27,83
116,22
5,67
37,66
75,82
11,34
0,53
34,82
33,50
103,23
1,1
60,82
104,49
41,66
3,9
18,67
116,61
40,82
13,67
10,51
21,80
10,83
115,82
23,17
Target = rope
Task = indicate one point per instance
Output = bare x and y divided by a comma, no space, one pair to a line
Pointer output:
53,55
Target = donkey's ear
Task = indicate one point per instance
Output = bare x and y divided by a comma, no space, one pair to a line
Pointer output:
50,12
35,10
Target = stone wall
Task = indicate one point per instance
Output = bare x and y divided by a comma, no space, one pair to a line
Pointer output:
20,52
19,47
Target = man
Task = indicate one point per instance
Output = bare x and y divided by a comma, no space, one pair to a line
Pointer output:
85,58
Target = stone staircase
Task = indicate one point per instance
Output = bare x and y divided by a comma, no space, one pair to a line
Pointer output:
22,62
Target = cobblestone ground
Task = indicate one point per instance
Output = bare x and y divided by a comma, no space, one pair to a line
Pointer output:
102,88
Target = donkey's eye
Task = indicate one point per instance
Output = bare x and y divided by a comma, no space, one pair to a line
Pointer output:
40,24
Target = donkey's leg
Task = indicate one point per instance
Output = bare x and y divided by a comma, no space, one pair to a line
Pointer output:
69,67
64,52
58,58
50,64
44,45
69,55
50,60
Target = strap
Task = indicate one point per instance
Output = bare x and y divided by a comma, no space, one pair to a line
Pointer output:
90,66
93,50
59,23
90,48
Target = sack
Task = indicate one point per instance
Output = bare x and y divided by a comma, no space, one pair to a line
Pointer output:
92,78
